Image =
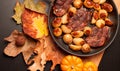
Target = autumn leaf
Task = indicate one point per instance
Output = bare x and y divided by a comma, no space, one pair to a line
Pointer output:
45,51
12,50
39,7
18,12
34,24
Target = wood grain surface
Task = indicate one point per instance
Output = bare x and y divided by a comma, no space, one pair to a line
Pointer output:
117,2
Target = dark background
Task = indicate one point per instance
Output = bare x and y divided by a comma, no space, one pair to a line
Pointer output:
109,62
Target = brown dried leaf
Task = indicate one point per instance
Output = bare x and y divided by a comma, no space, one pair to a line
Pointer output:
12,50
47,51
18,12
53,52
37,65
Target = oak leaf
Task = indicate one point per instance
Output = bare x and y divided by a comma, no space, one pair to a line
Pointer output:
12,50
18,12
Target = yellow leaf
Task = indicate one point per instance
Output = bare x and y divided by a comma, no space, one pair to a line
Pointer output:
34,24
18,12
40,24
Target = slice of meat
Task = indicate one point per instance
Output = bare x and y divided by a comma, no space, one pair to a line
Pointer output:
61,7
79,20
98,36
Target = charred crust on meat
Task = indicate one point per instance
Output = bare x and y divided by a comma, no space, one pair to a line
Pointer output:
61,7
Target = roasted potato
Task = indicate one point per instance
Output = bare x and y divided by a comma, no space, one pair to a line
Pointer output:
108,22
93,21
64,19
57,32
108,7
97,6
57,22
103,14
86,48
78,41
100,23
88,3
67,38
77,34
87,30
72,11
77,3
96,1
95,17
102,1
75,47
65,29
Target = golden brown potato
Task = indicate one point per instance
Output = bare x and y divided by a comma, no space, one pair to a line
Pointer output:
77,3
72,11
96,1
86,48
108,22
108,7
100,23
97,6
65,18
102,1
78,41
103,14
75,47
57,22
88,3
57,32
65,29
77,34
67,38
95,17
93,21
87,30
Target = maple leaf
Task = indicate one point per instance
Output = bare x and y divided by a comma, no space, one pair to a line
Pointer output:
18,12
34,24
